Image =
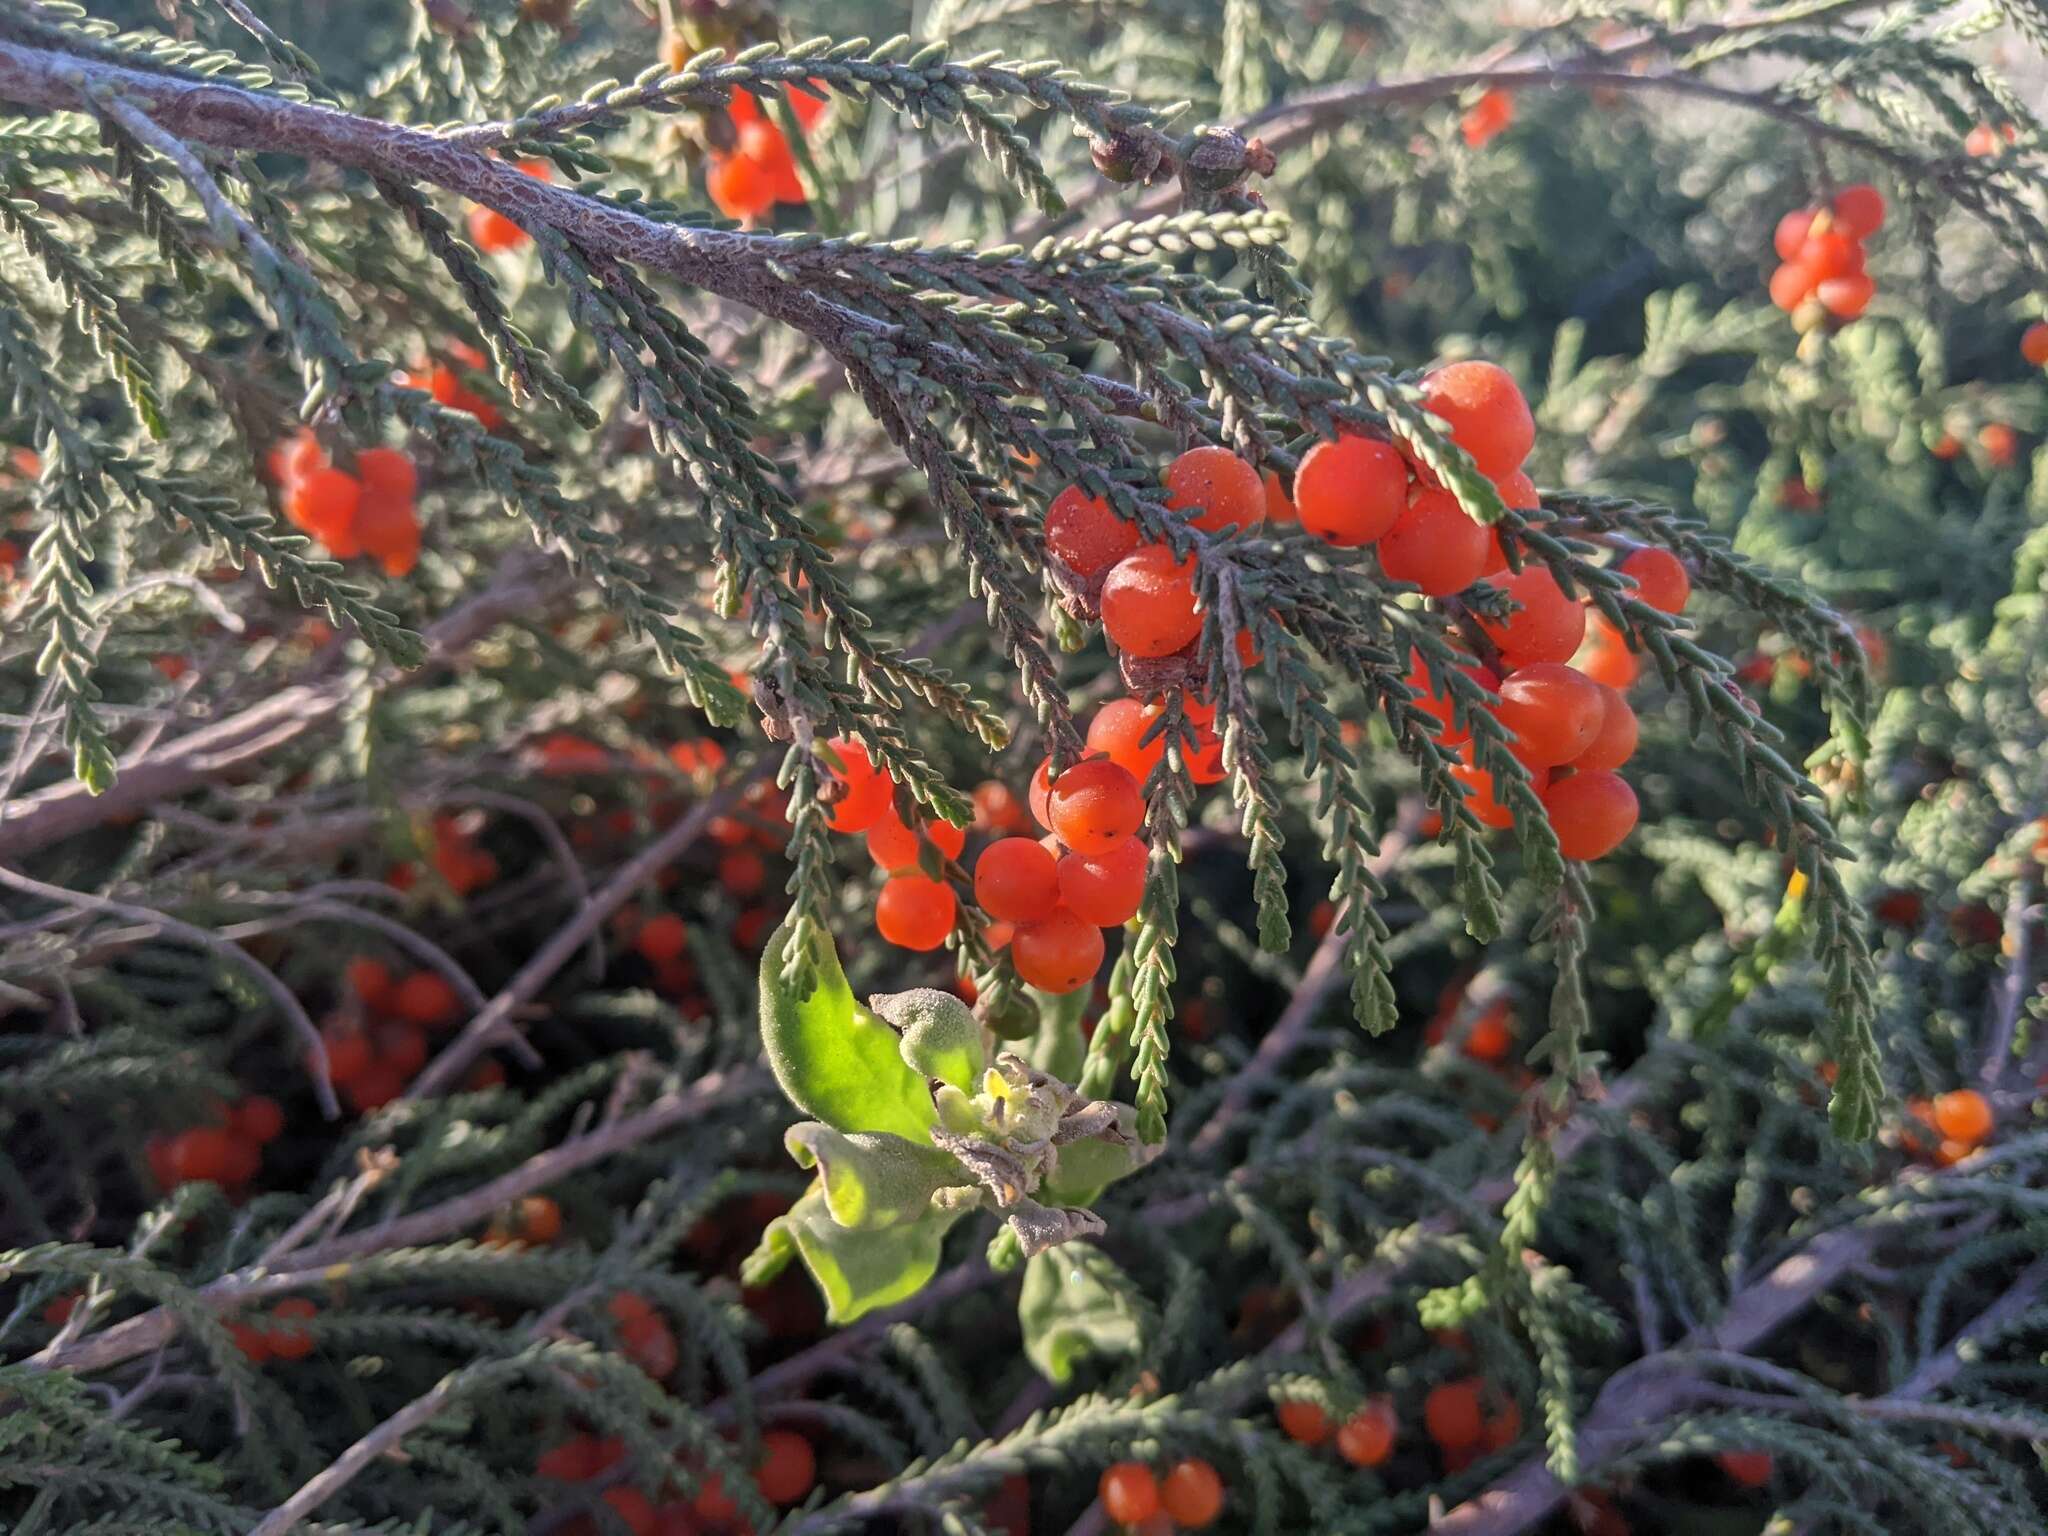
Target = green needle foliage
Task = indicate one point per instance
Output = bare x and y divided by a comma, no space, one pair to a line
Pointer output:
413,943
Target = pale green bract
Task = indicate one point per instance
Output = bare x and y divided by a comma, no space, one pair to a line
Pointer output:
915,1127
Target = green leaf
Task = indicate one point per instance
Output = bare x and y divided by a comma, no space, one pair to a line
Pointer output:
1059,1048
872,1181
838,1062
1075,1303
939,1035
857,1271
1087,1168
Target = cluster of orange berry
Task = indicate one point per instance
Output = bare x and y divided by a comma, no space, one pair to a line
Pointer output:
369,512
226,1151
1366,1439
1188,1497
490,230
1986,140
2034,344
375,1047
760,169
786,1472
282,1338
1963,1120
913,910
1821,251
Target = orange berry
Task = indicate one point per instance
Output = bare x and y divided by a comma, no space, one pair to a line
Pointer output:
867,790
1547,626
1486,117
427,998
739,188
1605,656
202,1154
634,1509
1438,705
788,1466
742,871
1859,210
2000,443
259,1119
1615,742
1191,1494
1095,805
1492,1034
1129,1492
1436,545
252,1341
1986,140
1217,488
374,1087
997,809
893,846
490,231
1964,1116
1830,253
401,1047
1118,733
1661,578
1591,813
324,504
1791,285
1057,953
1280,507
1451,1413
1305,1422
1086,534
291,1342
1486,414
1479,796
387,471
1148,603
1789,239
369,980
913,912
762,143
1351,491
1367,1438
1848,296
1017,880
348,1052
1105,888
1749,1469
1041,795
1551,712
663,939
2034,343
1502,1429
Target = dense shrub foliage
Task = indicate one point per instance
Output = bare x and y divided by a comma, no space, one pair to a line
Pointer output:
1155,764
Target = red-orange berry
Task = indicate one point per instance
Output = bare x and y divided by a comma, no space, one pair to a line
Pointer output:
1451,1413
1964,1116
388,471
1191,1494
1095,805
2034,344
1057,953
1305,1422
386,528
1280,506
1129,1492
1789,239
1017,880
1847,296
1615,742
348,1051
1547,625
762,143
1118,733
324,504
1488,116
1859,210
1480,800
400,1046
1352,491
204,1153
1105,888
1605,656
1590,812
1367,1437
742,871
1438,706
290,1341
373,1087
428,998
1792,285
1661,578
260,1119
913,912
1216,489
1747,1469
788,1466
1086,534
1040,795
1551,712
894,846
663,939
1148,603
1484,409
369,980
997,809
1436,546
2000,443
867,791
739,188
